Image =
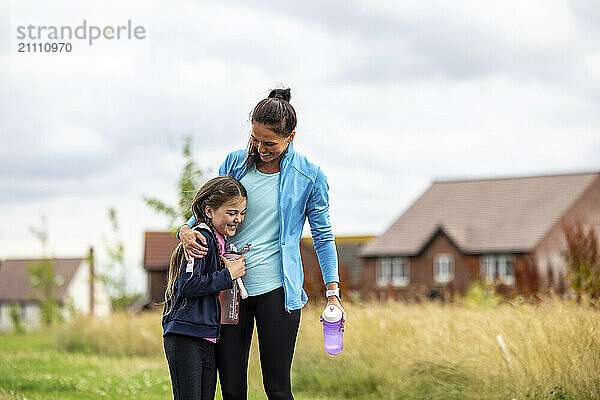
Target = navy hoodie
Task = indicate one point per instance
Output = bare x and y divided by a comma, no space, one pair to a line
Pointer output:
195,309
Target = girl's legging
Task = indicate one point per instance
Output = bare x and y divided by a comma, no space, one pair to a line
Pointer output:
277,330
192,367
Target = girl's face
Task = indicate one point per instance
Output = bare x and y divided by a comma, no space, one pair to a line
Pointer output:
269,145
226,218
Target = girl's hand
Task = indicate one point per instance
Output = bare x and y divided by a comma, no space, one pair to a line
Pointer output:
237,267
334,301
191,248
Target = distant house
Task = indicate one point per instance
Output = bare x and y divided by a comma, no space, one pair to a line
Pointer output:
73,290
159,246
505,231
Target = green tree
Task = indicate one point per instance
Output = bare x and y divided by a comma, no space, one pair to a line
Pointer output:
14,313
582,255
115,271
113,276
41,276
192,177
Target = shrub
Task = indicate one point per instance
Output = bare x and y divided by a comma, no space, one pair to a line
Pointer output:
582,255
15,316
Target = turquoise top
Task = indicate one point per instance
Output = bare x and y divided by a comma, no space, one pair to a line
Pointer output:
261,229
303,194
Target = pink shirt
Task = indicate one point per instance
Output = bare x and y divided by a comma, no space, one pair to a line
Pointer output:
221,241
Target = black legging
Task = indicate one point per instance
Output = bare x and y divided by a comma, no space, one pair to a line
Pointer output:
192,367
277,330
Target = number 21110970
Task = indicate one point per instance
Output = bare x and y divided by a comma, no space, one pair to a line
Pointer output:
45,47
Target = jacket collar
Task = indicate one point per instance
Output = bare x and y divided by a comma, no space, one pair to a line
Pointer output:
289,152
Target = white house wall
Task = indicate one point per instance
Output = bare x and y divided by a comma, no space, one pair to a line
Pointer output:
101,300
30,319
78,292
5,322
32,316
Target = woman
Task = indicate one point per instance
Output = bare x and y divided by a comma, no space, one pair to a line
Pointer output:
284,189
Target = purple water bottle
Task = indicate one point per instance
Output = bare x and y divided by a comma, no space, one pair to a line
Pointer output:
333,339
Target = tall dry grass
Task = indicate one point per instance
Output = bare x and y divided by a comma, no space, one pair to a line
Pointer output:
434,351
118,334
426,351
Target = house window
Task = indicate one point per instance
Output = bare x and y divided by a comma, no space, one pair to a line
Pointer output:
443,268
498,266
392,270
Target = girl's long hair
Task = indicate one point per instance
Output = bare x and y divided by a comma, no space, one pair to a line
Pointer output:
213,193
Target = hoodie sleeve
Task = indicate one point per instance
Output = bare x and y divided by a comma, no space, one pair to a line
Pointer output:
201,279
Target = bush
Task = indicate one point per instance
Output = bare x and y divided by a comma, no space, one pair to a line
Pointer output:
582,256
482,295
15,316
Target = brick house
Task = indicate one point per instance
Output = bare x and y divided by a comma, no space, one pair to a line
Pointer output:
158,247
506,231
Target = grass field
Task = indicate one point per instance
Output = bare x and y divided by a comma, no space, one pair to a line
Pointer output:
391,351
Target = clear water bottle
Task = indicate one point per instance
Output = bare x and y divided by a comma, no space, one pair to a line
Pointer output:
333,339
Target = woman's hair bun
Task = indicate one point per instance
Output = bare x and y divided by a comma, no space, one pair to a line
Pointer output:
285,94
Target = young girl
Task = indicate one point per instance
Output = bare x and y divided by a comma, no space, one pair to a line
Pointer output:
191,317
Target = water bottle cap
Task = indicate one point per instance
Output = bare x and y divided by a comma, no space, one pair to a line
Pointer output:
332,314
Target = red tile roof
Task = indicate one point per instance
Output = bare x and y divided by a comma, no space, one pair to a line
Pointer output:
485,215
158,247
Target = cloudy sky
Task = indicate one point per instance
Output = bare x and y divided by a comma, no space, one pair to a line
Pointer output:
389,96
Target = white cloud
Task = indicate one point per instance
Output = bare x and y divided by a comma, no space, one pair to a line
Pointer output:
74,139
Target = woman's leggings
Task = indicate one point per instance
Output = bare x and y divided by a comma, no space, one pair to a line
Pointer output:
277,330
192,366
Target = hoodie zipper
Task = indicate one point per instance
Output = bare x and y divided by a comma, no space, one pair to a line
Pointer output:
281,166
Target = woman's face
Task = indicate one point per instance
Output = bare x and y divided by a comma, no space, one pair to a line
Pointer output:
226,218
269,145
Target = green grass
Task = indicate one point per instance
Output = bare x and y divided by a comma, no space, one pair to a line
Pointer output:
391,351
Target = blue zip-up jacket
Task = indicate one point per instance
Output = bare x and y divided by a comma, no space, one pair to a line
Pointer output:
303,193
195,308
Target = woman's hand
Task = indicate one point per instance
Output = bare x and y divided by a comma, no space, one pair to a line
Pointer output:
237,267
191,248
334,301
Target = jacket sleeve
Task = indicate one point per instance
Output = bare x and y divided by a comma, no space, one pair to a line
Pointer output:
204,279
224,168
190,222
317,211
